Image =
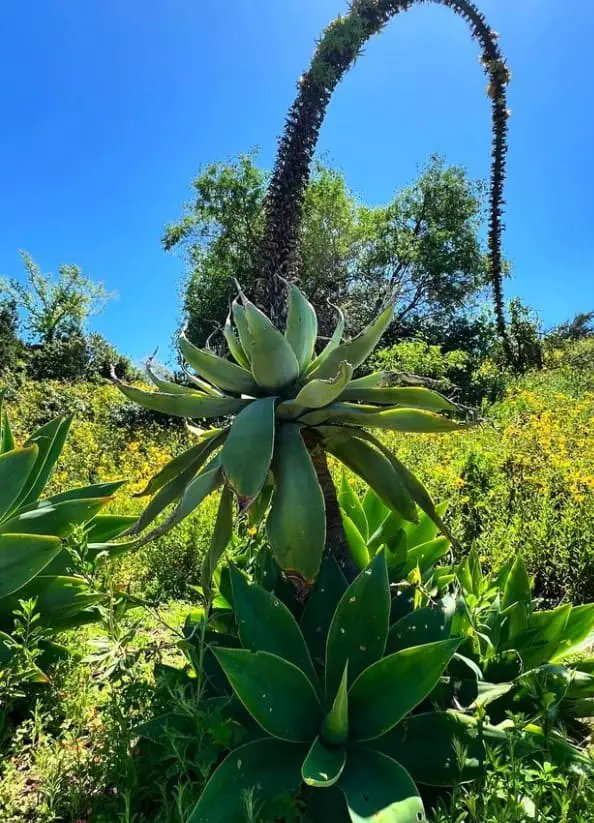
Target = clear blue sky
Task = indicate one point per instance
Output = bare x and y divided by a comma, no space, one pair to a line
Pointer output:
110,106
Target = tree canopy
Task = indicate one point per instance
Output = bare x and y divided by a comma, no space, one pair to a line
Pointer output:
423,246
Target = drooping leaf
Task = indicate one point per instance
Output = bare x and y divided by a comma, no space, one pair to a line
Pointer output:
23,557
221,537
15,468
84,492
321,605
376,471
265,624
359,627
54,519
410,397
184,405
296,525
268,768
377,789
275,692
247,452
196,456
104,527
351,504
387,691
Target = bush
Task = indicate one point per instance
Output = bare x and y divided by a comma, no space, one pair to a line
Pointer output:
523,481
78,357
470,378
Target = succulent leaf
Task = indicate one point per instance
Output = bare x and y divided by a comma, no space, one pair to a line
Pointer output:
277,694
323,765
247,452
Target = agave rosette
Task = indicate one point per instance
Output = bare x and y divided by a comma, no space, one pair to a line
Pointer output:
285,400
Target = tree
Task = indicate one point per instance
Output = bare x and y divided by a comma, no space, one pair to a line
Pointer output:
11,347
55,308
580,327
423,245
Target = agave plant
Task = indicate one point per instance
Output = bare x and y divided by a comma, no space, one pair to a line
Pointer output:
34,561
526,656
411,548
285,402
344,721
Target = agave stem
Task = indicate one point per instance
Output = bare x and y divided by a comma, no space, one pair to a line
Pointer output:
336,52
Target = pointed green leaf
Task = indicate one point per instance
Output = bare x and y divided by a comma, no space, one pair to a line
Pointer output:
274,364
375,510
234,345
351,505
359,627
106,527
541,640
247,452
357,350
387,691
184,405
426,529
517,586
426,555
412,421
15,469
335,730
241,324
388,532
377,789
277,694
296,525
268,768
321,605
23,557
83,492
302,327
196,456
332,344
428,745
57,519
221,537
221,373
323,765
50,440
376,471
318,393
357,546
7,441
579,627
265,624
167,386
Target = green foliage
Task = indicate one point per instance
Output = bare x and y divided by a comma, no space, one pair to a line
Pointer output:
34,555
12,351
287,403
423,246
314,722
